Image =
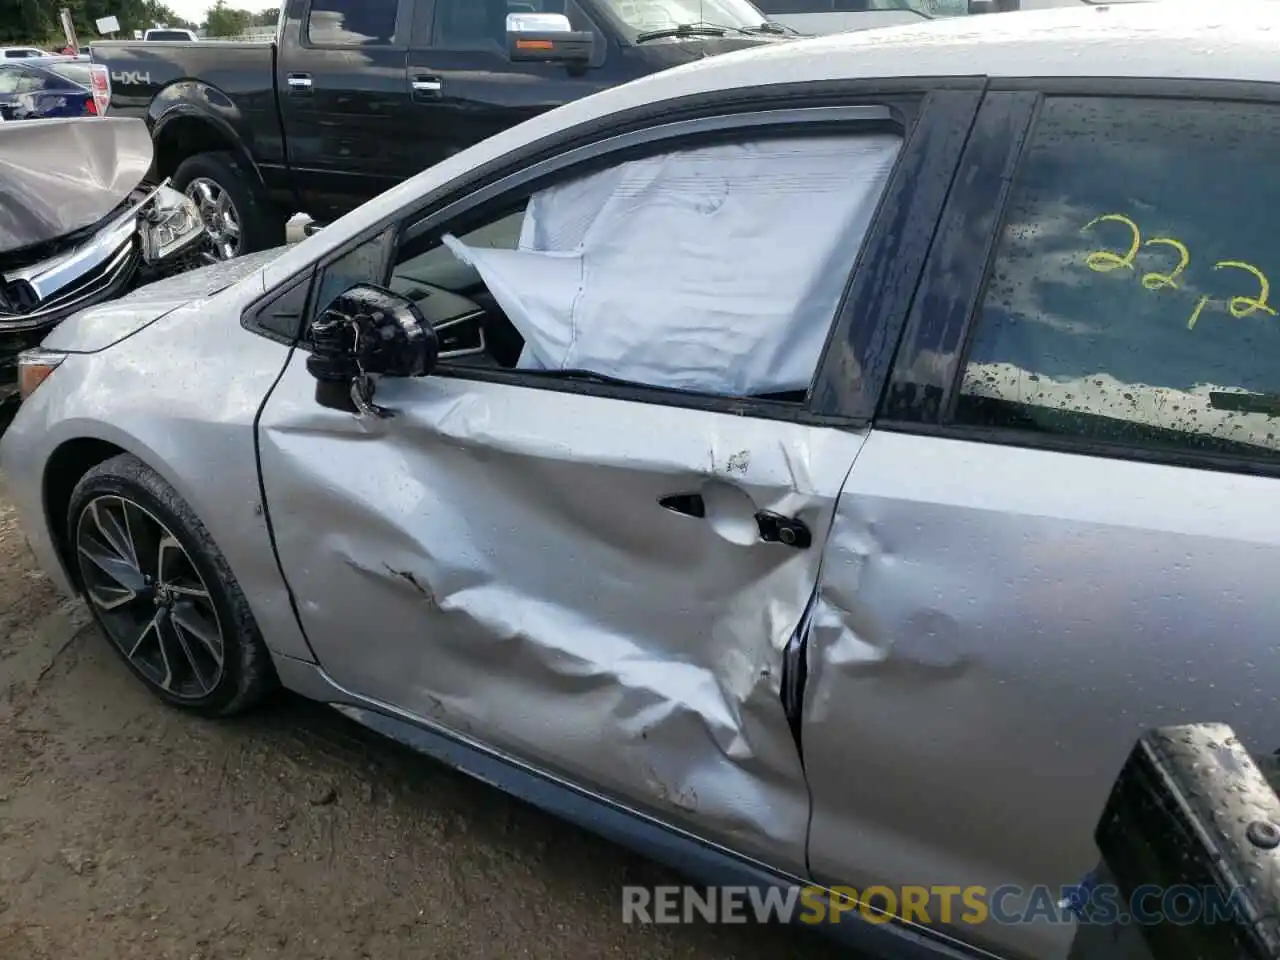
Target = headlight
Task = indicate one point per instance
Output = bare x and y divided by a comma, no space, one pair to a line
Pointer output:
34,367
170,225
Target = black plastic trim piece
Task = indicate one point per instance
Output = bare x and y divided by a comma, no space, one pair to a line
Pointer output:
927,364
252,318
1158,87
869,323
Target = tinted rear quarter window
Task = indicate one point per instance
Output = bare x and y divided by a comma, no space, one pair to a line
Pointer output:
1131,296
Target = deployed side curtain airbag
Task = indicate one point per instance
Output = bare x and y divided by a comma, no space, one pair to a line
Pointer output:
716,269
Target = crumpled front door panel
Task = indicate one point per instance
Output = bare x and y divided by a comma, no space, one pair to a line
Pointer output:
495,559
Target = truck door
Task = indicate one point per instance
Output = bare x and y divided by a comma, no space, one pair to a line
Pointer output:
341,81
463,85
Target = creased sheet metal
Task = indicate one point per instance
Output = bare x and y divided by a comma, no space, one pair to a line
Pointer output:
494,559
716,269
57,176
996,625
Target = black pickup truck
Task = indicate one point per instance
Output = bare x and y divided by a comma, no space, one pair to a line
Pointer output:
354,96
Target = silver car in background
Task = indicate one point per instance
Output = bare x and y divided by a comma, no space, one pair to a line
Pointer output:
816,463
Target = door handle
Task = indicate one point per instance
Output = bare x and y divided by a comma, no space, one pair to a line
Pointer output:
426,87
299,83
773,527
788,531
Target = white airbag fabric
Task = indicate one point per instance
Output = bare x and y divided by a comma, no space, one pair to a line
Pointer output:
716,269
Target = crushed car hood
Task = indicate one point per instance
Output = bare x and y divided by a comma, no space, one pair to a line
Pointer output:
58,176
108,323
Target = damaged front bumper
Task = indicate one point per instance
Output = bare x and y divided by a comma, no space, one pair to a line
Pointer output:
153,236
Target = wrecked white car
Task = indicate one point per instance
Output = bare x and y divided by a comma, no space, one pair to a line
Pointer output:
798,470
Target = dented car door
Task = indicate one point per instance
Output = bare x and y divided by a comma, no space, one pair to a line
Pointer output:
577,581
595,553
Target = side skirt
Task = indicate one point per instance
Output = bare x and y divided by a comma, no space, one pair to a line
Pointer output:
701,861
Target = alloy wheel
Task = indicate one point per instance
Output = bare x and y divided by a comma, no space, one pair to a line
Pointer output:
150,598
219,216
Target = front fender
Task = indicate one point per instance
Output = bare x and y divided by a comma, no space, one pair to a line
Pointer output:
183,400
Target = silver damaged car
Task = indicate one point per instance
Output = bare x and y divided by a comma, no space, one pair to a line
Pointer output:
792,466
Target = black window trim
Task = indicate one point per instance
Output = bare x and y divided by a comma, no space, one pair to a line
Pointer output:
951,101
909,406
252,318
399,40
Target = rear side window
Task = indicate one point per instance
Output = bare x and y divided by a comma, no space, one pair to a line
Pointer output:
77,73
21,80
352,23
1131,298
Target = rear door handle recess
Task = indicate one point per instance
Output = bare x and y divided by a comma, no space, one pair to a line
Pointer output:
426,87
299,83
774,528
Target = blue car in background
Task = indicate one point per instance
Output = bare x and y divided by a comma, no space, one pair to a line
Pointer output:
35,89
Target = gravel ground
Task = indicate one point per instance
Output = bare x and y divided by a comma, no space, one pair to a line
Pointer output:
130,830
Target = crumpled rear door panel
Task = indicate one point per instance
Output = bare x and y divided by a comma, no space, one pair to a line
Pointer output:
996,625
495,560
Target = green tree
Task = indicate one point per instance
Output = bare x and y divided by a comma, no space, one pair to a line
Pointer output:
36,21
224,21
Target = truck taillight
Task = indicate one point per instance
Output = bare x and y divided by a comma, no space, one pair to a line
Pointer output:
100,84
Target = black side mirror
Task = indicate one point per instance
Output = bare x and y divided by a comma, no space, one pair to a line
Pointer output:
547,38
364,332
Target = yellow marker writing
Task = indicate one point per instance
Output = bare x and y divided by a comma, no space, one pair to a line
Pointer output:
1247,306
1104,261
1154,281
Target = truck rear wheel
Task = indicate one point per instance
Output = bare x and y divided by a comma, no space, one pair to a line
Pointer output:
233,204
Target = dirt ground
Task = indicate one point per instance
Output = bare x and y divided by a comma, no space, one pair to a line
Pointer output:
130,830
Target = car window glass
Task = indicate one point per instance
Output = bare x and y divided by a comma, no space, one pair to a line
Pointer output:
1131,294
352,22
471,23
9,79
714,269
78,73
642,15
365,263
536,6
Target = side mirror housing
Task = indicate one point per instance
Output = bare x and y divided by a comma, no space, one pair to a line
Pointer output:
368,331
547,38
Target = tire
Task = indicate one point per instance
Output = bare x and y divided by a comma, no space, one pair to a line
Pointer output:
261,225
189,593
